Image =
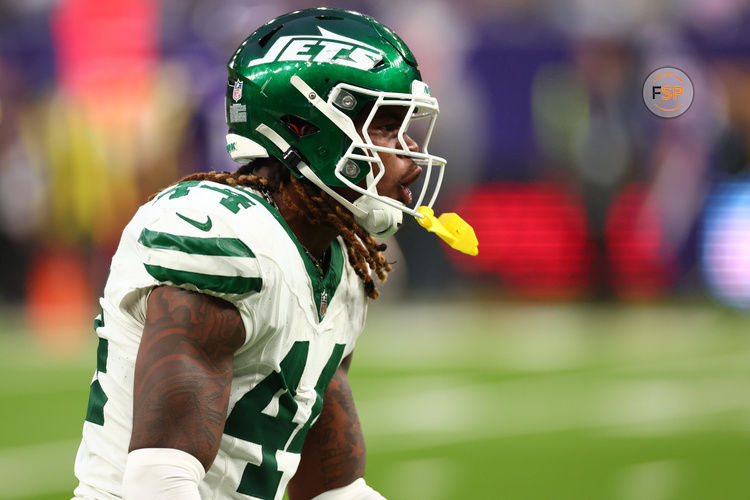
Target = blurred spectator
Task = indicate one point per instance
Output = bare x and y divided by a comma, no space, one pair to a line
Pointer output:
103,103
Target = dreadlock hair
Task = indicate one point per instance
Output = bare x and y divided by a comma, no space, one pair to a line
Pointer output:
315,205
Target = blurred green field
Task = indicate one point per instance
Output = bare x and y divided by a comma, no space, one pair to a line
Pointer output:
484,400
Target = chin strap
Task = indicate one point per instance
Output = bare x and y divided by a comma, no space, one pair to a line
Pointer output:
295,161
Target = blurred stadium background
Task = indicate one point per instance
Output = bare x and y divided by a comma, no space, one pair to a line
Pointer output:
599,345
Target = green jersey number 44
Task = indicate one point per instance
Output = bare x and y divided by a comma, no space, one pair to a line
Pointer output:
257,418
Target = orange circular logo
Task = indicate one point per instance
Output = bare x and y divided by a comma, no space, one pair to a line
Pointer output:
668,92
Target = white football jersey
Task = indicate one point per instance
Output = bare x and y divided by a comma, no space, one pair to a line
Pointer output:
227,242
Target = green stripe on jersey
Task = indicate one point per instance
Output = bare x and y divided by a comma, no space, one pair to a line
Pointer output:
222,284
227,247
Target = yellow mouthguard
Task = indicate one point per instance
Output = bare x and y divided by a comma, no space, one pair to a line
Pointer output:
450,228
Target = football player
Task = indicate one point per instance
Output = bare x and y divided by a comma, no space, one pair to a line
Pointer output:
234,300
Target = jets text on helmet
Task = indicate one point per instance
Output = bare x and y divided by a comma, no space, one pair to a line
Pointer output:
326,48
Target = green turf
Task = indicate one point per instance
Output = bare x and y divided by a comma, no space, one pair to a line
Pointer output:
489,400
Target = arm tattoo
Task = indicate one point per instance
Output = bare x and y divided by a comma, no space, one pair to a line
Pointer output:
339,437
334,452
183,372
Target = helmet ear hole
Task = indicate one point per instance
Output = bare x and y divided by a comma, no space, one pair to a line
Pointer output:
298,126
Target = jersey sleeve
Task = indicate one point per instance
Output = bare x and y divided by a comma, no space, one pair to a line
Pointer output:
214,261
196,244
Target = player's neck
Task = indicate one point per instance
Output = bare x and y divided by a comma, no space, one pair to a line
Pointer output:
315,237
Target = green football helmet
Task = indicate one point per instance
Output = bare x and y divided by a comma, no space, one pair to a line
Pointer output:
316,70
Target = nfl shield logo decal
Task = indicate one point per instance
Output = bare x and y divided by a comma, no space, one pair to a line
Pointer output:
237,92
323,303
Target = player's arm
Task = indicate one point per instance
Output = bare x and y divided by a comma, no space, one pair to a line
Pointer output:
183,376
333,456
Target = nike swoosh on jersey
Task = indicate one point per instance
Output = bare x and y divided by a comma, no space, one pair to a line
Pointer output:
203,226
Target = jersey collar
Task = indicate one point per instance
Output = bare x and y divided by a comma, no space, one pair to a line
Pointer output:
323,286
